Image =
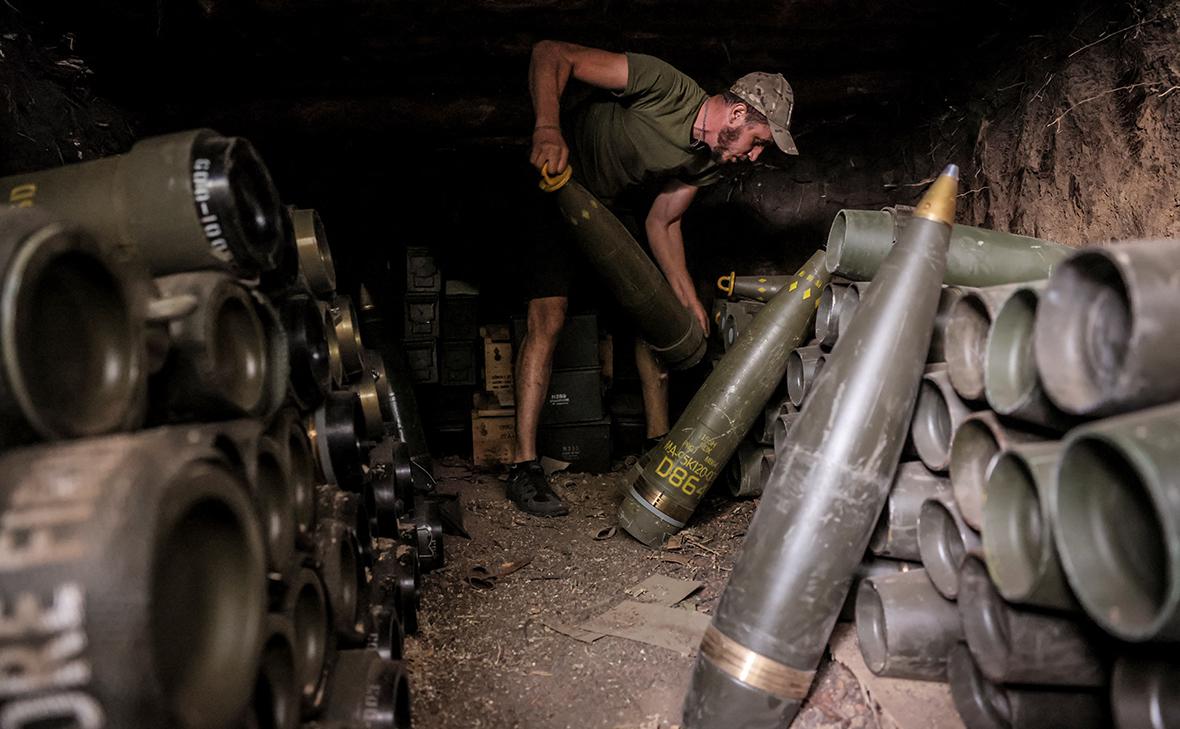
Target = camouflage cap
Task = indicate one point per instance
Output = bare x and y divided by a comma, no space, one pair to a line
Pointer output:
770,94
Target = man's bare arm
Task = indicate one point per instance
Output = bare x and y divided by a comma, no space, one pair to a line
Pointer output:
551,66
667,244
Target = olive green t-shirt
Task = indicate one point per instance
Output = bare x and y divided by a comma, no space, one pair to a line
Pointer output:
642,134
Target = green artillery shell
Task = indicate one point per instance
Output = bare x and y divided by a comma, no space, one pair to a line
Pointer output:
860,239
944,541
1024,646
984,705
905,629
1108,329
946,303
825,493
756,288
976,441
1116,520
896,535
748,469
1017,527
965,346
936,417
1143,691
315,257
681,469
803,366
637,285
180,202
1011,383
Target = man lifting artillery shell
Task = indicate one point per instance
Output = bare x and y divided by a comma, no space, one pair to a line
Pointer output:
648,124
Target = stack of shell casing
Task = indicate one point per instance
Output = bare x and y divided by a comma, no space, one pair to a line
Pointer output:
1037,518
203,463
1028,550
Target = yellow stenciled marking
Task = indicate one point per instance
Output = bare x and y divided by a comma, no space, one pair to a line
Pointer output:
22,195
807,294
573,220
585,214
761,280
810,277
762,289
794,285
817,302
594,203
799,272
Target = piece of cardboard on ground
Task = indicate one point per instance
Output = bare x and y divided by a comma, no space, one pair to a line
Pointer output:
657,589
663,590
673,628
904,704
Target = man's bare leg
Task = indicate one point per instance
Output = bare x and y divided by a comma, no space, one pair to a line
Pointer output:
653,378
546,317
527,486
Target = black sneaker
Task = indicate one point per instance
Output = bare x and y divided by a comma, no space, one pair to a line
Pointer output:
529,490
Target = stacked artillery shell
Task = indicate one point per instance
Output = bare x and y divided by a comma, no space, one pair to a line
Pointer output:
748,467
944,542
1116,522
803,366
825,492
1011,645
837,307
985,705
368,691
905,629
896,535
316,267
232,595
173,637
74,338
180,202
942,322
937,416
679,471
860,240
782,427
966,338
976,441
218,365
638,287
754,288
1143,692
1018,526
1011,383
1106,336
735,317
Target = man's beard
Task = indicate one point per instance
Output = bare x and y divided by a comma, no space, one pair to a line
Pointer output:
725,139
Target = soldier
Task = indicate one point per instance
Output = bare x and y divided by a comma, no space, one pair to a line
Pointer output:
648,126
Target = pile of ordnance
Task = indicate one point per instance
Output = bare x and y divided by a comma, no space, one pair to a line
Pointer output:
216,505
992,422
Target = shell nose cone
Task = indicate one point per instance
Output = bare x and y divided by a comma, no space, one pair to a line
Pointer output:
951,171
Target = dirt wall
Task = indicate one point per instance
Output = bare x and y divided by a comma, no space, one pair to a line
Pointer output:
1081,143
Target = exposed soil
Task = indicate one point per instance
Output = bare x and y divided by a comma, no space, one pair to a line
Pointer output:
485,658
1083,141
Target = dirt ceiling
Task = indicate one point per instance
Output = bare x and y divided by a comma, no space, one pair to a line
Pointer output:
456,68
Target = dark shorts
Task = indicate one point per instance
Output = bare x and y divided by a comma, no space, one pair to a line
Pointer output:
551,264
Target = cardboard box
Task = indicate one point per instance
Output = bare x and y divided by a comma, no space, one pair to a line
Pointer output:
493,437
497,364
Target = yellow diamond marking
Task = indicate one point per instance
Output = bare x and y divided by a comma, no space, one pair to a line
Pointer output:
594,203
762,289
807,294
586,214
810,277
794,285
761,280
573,220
